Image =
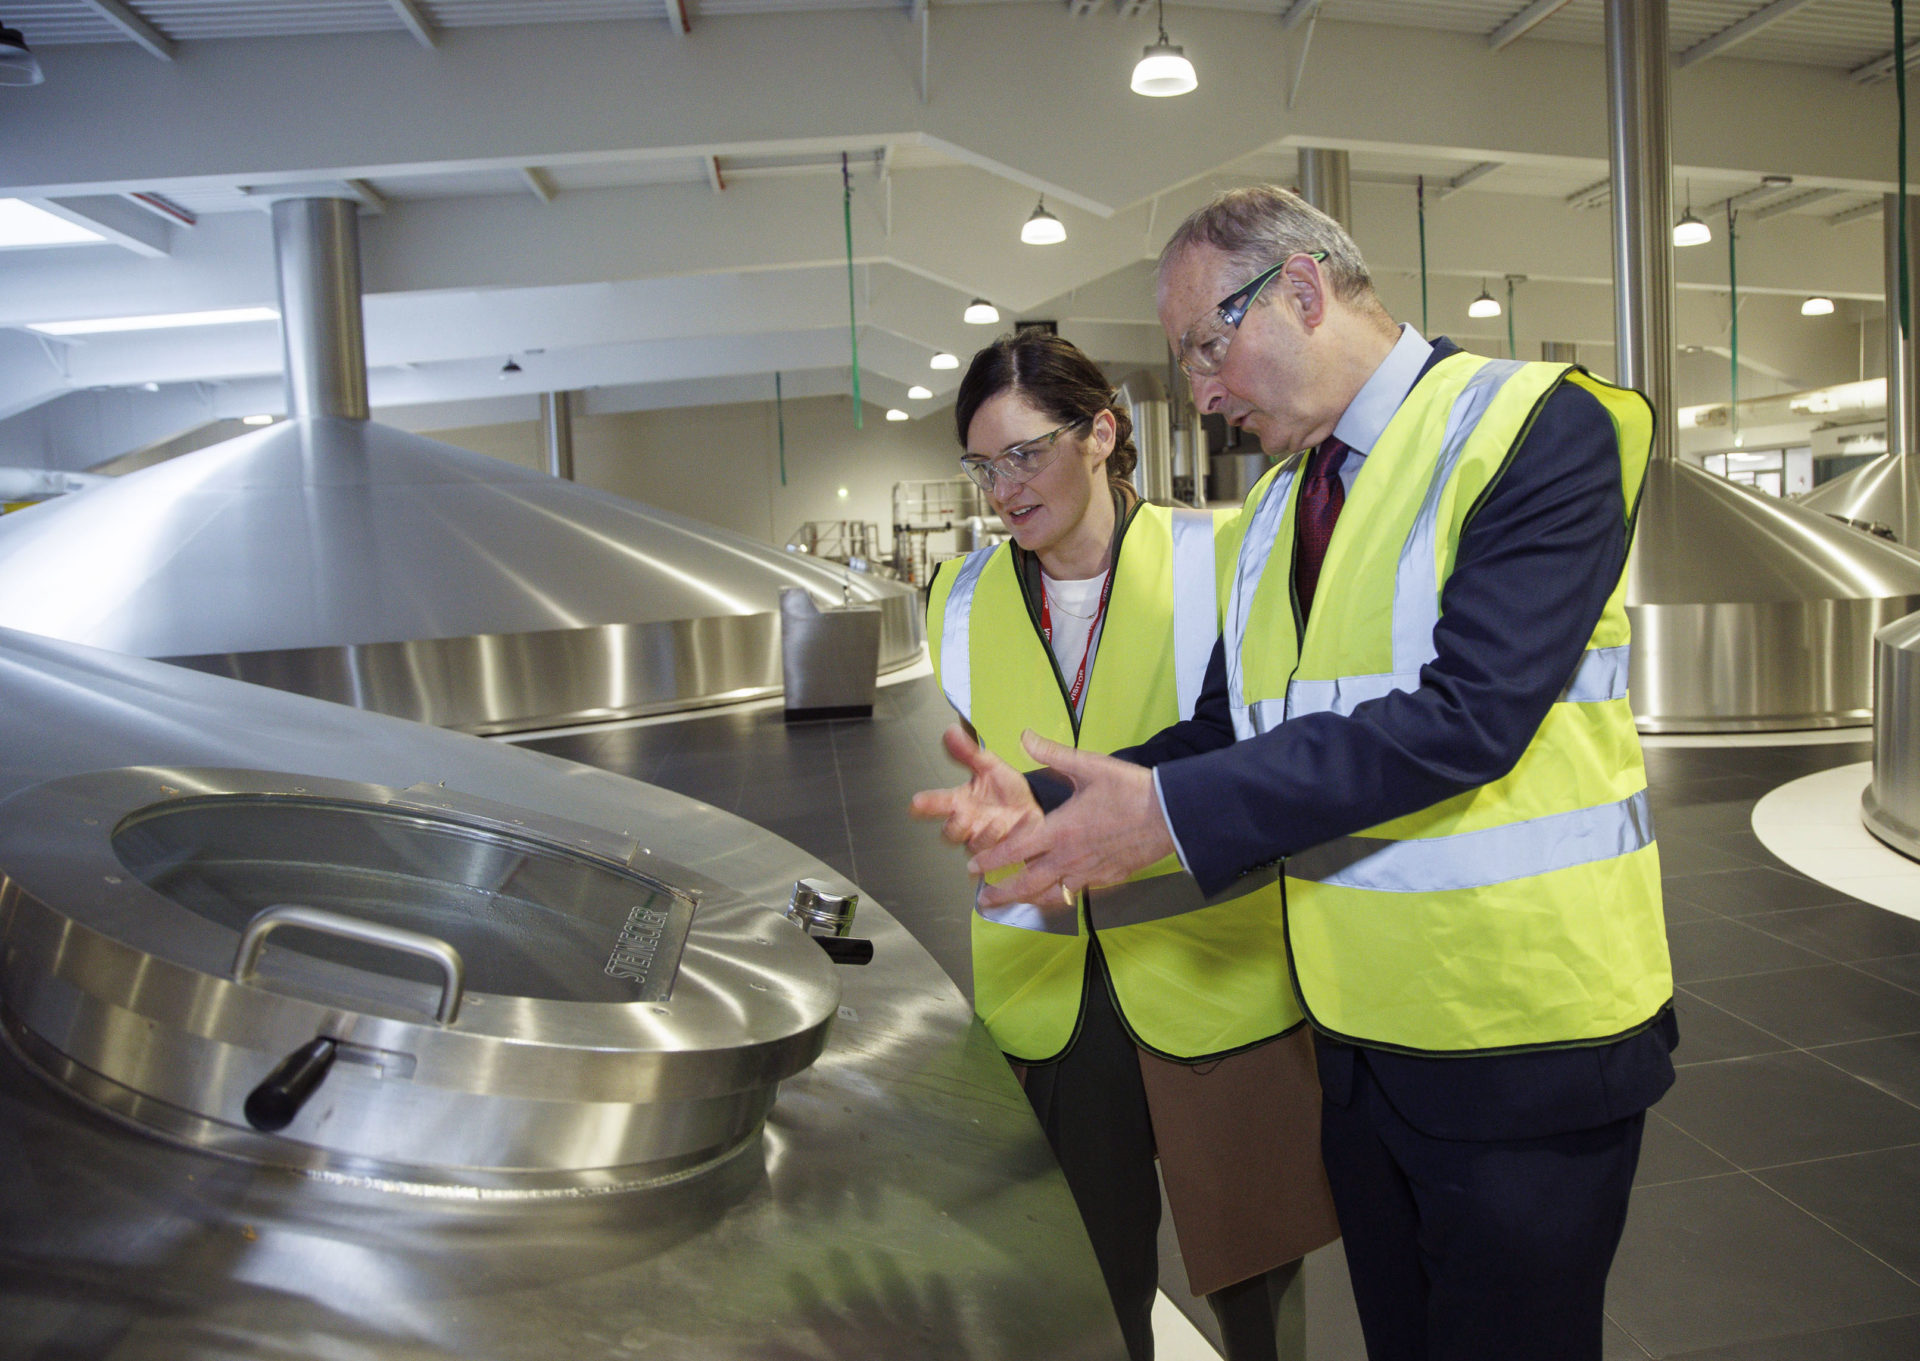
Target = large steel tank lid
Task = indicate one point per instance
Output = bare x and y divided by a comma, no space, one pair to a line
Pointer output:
504,999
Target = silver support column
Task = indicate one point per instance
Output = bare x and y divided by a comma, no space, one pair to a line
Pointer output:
1559,352
316,244
1641,162
1326,183
556,432
1903,354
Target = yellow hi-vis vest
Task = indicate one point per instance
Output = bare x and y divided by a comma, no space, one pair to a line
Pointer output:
1524,913
1192,978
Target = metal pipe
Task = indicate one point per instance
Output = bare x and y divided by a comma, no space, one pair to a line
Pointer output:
1903,351
556,431
316,246
1559,352
1641,162
1326,183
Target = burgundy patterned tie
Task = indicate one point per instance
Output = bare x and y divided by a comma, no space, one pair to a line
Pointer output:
1321,497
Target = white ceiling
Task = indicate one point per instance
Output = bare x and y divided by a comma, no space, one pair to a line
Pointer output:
654,213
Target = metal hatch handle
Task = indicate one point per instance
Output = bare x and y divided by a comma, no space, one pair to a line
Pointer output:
453,984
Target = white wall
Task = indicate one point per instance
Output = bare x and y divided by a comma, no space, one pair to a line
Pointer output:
721,464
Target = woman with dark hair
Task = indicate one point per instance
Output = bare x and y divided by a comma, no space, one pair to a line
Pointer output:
1142,1017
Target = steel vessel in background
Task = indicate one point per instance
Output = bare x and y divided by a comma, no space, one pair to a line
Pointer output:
330,1034
335,557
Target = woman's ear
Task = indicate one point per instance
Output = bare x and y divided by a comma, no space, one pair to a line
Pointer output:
1105,432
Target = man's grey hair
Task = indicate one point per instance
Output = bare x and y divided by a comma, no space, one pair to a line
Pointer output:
1262,225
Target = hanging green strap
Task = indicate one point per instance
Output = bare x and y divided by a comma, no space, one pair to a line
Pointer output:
1420,207
780,419
1512,351
853,321
1733,351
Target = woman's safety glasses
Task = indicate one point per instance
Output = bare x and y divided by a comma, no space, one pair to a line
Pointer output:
1021,462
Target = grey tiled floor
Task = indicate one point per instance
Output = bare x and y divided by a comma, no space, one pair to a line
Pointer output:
1777,1210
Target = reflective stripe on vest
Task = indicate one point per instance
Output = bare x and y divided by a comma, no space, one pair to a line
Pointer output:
956,654
1195,623
1255,549
1600,675
1166,895
1492,855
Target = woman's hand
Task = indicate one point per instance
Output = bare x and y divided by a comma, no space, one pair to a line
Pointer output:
990,807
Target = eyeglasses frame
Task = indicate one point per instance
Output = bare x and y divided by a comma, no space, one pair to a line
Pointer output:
1233,308
974,468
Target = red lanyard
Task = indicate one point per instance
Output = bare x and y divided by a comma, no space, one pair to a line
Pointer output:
1093,630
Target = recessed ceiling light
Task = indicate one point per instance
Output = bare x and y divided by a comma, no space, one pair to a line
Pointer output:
894,413
22,224
919,394
160,321
943,360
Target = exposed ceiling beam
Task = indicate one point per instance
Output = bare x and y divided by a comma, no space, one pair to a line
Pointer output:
118,220
1466,177
1740,32
1591,195
715,180
1524,22
417,22
539,181
1298,13
1882,66
1746,196
679,17
370,198
1855,214
1805,198
134,27
163,207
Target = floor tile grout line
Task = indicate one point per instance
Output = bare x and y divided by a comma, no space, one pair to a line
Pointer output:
1843,1236
840,784
1813,1053
1629,1334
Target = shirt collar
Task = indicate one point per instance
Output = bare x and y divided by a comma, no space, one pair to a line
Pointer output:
1380,396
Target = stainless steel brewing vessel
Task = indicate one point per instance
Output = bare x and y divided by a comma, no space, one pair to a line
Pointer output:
1890,807
560,1006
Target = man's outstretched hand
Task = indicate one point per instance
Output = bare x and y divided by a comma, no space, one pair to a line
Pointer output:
986,810
1111,827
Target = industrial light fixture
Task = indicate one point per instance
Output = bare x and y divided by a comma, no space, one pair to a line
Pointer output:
28,224
18,65
262,419
1163,69
1043,228
919,394
894,413
943,360
160,321
1817,307
1486,305
980,312
1690,230
508,369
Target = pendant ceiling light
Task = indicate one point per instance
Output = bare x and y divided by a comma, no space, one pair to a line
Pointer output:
18,65
1817,307
894,413
1486,305
917,393
980,312
943,360
1690,230
1163,69
1043,228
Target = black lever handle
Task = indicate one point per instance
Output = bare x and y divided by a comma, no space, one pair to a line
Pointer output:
846,949
272,1105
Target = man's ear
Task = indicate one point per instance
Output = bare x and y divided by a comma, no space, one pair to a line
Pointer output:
1307,289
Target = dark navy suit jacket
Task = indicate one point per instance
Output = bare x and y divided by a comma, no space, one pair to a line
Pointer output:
1535,565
